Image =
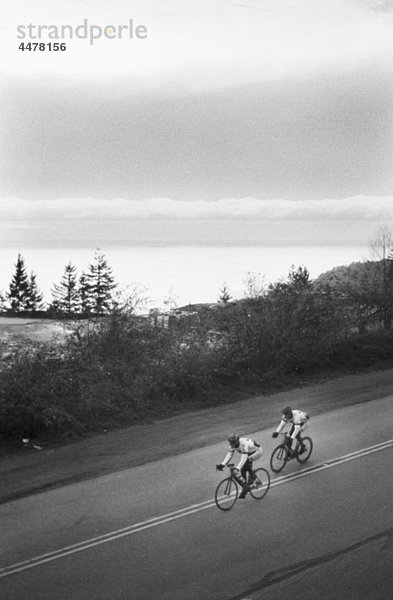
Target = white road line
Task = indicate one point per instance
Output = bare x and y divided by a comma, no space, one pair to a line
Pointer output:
177,514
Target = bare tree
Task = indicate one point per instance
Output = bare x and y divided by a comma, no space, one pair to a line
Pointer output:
255,285
133,299
382,248
171,300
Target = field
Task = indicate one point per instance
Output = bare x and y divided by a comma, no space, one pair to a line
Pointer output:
15,331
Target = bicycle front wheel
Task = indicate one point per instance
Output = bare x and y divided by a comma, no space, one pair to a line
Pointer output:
279,458
261,484
226,494
303,455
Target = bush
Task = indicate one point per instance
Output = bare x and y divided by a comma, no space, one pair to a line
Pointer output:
120,369
118,365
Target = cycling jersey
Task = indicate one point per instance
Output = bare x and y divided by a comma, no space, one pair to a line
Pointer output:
247,447
299,419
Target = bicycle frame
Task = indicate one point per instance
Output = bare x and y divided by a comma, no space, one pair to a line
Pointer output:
283,453
292,451
234,476
228,489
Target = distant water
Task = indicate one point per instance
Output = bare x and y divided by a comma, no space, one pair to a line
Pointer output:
188,274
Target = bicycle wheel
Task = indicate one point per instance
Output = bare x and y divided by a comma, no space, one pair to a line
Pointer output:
305,455
261,484
226,494
279,458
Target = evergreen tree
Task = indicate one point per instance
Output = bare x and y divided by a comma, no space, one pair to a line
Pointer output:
225,295
34,297
299,279
100,285
85,303
2,302
18,293
66,297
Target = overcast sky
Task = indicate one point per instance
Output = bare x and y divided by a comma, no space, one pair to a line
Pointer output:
270,111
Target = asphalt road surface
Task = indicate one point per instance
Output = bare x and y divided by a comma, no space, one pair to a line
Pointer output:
324,530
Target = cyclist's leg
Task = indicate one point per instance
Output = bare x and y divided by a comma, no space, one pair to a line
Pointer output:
291,445
247,470
303,427
247,474
299,436
255,456
289,437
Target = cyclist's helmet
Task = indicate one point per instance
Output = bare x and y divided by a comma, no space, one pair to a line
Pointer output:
287,412
234,440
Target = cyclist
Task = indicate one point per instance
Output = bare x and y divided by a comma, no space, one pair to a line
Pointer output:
250,451
299,420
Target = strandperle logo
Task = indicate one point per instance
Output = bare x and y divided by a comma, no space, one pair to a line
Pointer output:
84,31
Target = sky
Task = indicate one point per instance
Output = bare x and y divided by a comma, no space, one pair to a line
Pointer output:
231,120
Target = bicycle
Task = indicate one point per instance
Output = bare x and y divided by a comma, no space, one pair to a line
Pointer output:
282,454
227,491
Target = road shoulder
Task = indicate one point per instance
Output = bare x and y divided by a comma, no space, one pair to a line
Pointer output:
39,470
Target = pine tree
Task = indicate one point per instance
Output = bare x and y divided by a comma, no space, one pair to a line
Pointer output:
66,297
19,287
2,302
34,297
225,295
85,302
100,284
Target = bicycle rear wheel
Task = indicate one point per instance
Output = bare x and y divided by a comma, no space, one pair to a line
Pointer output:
305,455
261,484
279,458
226,494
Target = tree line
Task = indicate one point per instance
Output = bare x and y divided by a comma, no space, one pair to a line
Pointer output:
92,293
362,292
122,369
125,368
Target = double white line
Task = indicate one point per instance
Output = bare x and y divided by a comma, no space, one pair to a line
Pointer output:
177,514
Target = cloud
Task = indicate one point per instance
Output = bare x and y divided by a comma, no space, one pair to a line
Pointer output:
17,226
379,5
87,209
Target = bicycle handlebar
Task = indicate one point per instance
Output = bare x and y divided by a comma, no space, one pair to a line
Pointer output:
232,467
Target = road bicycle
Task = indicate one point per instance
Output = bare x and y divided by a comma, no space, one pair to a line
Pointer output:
227,491
282,454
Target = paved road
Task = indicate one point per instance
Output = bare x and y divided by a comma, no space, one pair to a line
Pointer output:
152,532
32,471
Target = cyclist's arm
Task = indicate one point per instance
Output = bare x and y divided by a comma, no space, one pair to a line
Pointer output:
228,457
281,426
296,429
